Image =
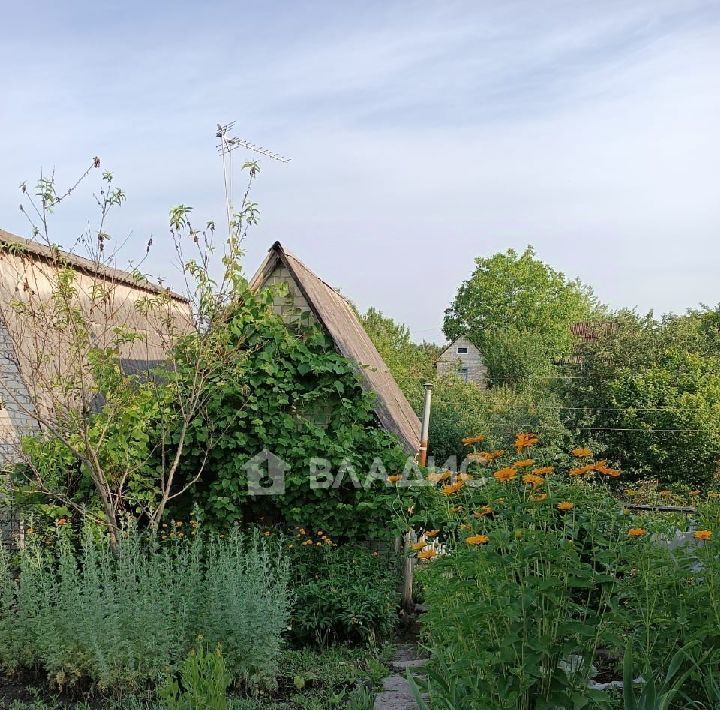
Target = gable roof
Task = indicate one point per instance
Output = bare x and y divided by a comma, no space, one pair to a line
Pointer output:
337,316
43,253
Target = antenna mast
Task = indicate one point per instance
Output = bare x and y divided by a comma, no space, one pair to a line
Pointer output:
226,145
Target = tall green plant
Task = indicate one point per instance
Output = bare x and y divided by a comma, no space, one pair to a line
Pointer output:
121,619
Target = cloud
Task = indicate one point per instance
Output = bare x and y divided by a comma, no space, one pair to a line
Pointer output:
421,135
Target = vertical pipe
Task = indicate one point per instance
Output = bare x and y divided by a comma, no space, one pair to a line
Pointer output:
425,424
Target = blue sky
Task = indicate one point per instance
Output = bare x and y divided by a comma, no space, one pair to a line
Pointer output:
422,135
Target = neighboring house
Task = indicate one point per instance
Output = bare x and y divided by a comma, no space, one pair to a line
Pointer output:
462,358
308,297
33,352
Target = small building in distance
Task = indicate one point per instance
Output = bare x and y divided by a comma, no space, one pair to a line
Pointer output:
463,359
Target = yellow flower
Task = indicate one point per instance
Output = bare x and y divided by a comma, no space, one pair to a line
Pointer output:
427,554
565,505
438,476
431,533
477,540
665,494
581,452
544,470
525,440
539,497
505,474
394,479
455,509
470,440
702,534
523,464
694,493
482,512
418,545
636,532
452,488
533,480
465,526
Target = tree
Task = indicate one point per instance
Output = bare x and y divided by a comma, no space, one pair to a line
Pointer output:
111,439
649,392
411,364
518,311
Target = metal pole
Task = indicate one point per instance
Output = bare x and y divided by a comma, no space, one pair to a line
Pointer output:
425,424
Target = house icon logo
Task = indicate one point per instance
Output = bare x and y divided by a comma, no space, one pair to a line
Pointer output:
265,474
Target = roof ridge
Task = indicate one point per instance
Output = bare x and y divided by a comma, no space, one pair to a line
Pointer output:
80,263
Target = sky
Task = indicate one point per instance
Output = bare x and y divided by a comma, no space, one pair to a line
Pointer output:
421,134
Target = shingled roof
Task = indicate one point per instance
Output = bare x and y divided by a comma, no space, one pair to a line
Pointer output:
55,257
338,317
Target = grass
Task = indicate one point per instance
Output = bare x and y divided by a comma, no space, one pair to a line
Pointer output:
309,680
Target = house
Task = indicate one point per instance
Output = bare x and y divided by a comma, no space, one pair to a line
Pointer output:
462,358
309,298
33,349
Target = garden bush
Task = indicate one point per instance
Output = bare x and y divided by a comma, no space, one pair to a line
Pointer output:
301,400
344,594
123,619
536,579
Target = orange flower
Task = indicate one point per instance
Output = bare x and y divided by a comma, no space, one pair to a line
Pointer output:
694,493
602,467
581,452
565,505
61,521
582,470
431,533
544,470
427,554
539,497
482,512
702,534
505,474
665,494
452,488
477,540
418,545
525,440
523,464
438,476
636,532
480,456
533,480
464,477
455,509
395,478
470,440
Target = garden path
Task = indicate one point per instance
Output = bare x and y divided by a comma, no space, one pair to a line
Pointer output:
396,693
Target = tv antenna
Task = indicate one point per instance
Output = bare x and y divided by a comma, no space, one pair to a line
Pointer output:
226,145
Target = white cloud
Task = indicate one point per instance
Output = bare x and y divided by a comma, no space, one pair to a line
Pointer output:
421,136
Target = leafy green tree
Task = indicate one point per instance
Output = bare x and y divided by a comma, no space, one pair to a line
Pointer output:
649,391
462,409
411,364
518,311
